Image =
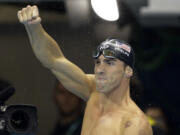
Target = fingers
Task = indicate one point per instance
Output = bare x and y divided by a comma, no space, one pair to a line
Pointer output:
24,15
20,16
29,15
35,12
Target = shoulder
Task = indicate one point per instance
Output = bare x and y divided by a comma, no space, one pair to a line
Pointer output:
141,125
139,122
138,127
144,126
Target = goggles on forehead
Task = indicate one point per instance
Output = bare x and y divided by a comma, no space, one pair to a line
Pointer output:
107,53
114,48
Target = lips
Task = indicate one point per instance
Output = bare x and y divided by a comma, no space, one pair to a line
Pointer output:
101,78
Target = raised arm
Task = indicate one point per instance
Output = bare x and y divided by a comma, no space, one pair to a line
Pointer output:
48,52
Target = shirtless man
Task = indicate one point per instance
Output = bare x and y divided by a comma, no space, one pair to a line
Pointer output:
109,110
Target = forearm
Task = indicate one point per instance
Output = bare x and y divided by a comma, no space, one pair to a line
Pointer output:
44,46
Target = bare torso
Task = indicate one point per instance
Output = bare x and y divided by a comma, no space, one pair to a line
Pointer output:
98,122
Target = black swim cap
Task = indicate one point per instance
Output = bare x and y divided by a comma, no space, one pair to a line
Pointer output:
114,48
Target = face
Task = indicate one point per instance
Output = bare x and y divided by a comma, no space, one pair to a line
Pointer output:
108,74
66,102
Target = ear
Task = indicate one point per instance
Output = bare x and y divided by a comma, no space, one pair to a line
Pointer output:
128,71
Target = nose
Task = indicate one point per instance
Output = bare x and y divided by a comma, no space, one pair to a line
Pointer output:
100,69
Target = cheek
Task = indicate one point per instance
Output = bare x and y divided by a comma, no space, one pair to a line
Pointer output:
116,77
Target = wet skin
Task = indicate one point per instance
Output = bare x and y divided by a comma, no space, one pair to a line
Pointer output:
110,110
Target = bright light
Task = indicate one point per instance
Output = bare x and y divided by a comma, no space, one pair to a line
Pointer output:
106,9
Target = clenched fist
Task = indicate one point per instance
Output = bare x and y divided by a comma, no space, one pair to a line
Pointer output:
29,15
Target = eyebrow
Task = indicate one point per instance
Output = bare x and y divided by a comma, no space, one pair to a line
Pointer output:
109,59
106,59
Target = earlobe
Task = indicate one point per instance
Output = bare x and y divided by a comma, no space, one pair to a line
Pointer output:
128,71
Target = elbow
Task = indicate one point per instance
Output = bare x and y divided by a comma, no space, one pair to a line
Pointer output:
48,64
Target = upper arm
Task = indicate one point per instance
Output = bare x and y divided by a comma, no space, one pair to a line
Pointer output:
72,78
145,130
91,78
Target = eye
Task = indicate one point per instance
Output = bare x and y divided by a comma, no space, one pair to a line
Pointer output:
110,62
97,61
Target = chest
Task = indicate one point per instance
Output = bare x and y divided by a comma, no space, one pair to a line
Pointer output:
97,123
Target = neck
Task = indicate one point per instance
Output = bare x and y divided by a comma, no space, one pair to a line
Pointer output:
118,97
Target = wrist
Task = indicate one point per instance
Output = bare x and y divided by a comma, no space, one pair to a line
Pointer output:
35,28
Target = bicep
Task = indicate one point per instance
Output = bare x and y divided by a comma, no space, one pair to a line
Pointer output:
72,78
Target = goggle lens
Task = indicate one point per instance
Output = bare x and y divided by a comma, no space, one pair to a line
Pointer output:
106,53
109,54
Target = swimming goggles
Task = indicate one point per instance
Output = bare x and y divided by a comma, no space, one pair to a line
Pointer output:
107,53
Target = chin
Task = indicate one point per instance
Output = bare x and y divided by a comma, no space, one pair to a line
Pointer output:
103,89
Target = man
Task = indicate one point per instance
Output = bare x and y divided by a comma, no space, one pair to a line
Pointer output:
70,112
109,110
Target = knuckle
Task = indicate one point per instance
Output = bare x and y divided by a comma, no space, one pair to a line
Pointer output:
23,10
19,12
29,7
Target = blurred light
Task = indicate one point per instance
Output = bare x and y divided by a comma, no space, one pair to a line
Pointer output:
78,12
106,9
160,13
162,7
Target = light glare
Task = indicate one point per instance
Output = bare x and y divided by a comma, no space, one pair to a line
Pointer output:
106,9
